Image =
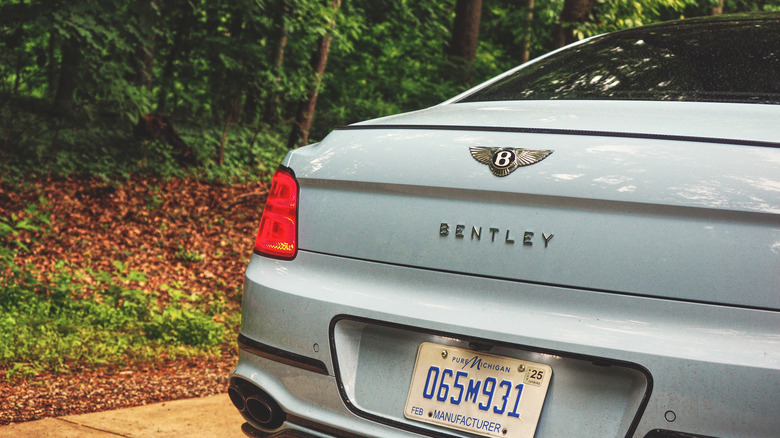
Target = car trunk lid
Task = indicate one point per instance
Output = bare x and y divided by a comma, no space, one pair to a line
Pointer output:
654,214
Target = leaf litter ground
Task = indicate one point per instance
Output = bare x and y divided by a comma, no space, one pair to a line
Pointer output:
195,235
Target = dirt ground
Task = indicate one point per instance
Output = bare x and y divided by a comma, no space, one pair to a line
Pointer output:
177,230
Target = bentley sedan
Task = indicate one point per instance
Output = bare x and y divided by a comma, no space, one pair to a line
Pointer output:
585,246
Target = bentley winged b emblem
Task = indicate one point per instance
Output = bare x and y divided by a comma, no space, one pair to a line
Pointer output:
503,161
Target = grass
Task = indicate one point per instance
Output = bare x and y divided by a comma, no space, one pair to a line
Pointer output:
53,326
74,318
87,313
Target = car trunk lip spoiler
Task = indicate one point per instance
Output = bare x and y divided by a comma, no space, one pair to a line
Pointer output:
578,132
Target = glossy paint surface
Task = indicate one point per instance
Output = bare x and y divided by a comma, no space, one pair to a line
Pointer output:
668,218
640,261
686,348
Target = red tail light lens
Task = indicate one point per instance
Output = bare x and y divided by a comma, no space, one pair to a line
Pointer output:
278,233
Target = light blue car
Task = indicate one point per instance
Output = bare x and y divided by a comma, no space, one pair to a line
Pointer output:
585,246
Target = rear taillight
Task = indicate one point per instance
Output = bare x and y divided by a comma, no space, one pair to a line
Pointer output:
278,233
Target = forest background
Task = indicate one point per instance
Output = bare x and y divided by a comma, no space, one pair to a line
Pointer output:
137,138
103,87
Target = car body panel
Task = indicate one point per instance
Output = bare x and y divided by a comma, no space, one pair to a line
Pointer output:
640,260
682,343
597,199
686,119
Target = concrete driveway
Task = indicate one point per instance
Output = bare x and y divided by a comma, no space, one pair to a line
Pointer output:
209,417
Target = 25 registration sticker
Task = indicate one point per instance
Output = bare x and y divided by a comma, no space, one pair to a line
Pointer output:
477,392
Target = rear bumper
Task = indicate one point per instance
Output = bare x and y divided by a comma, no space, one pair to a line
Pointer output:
322,335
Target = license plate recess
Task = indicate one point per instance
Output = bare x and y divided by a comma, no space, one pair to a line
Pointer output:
477,392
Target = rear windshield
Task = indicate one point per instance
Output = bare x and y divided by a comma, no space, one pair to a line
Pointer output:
723,61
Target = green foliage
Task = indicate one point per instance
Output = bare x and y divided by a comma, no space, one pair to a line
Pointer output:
394,64
506,24
250,153
47,324
188,256
65,321
36,221
612,15
105,36
183,322
76,75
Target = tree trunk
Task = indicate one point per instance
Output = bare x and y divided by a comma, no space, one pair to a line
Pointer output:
166,79
179,50
525,53
465,30
271,110
18,73
717,10
299,136
51,69
66,84
574,11
145,51
232,116
465,37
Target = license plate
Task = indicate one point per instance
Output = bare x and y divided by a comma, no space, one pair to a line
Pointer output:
477,392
